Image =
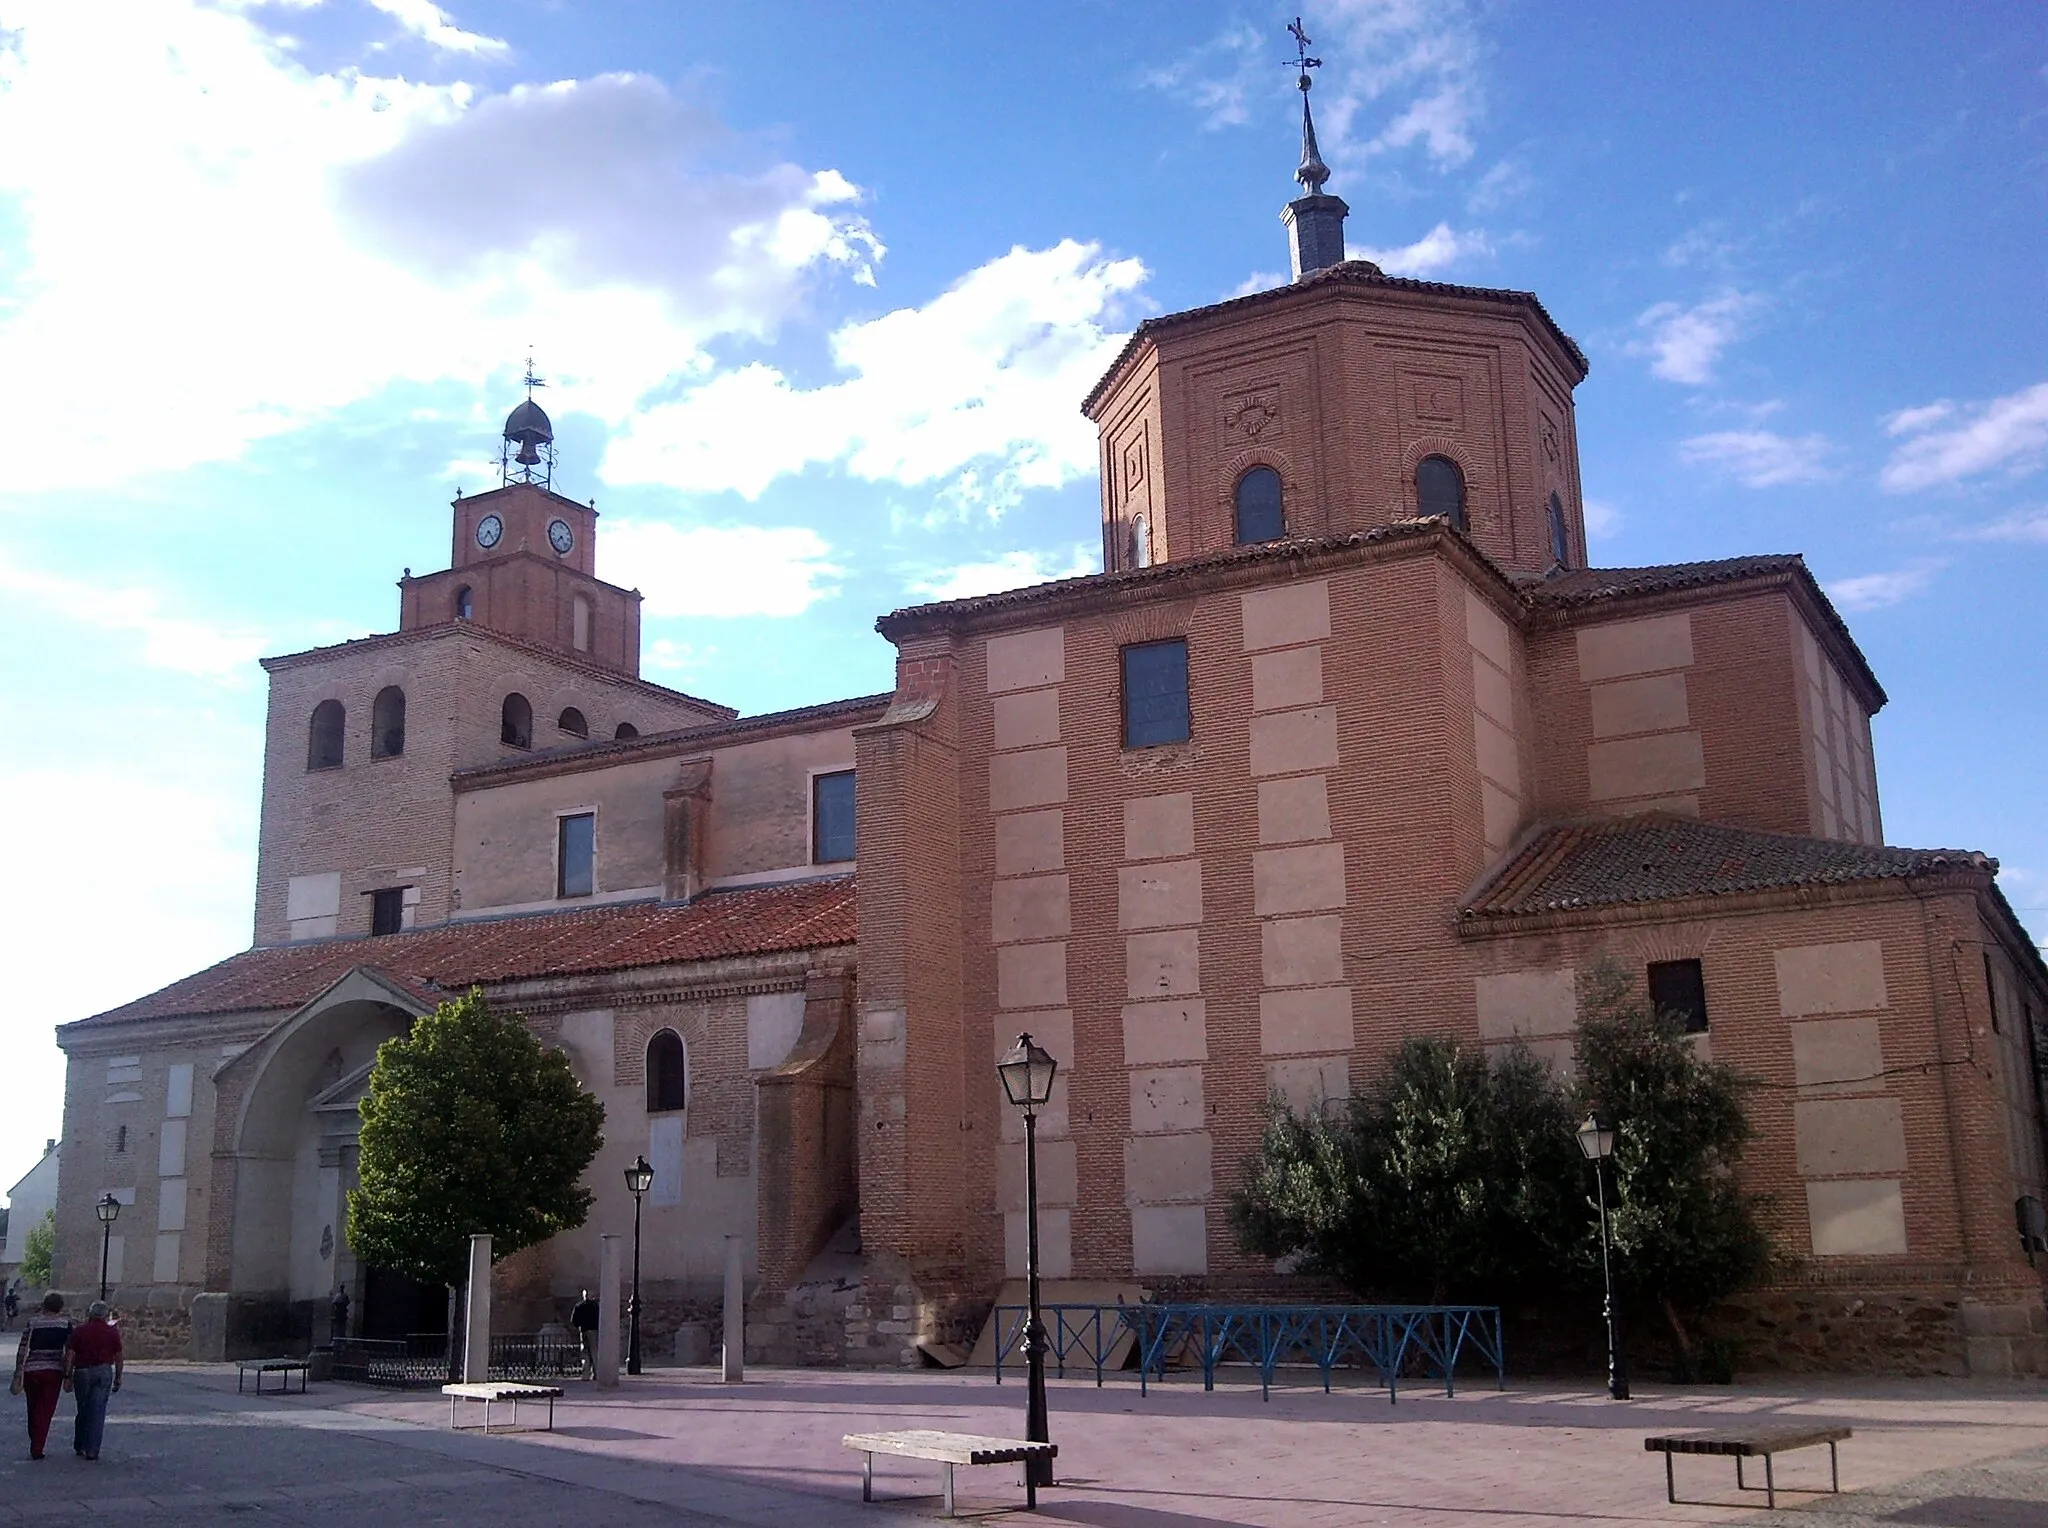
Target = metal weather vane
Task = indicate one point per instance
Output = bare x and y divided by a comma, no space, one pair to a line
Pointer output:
1313,172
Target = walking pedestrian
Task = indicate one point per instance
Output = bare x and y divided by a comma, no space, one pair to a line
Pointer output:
12,1301
584,1319
39,1368
93,1361
337,1314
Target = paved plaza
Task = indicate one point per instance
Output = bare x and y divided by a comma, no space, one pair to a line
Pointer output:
675,1447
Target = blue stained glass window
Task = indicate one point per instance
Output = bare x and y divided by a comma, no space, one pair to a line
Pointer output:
578,849
1259,517
832,817
1156,694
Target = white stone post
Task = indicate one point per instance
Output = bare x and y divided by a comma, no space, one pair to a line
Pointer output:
476,1323
735,1370
608,1313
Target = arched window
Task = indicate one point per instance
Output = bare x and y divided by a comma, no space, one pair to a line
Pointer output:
665,1072
1259,517
625,730
1440,490
1560,544
515,722
465,604
1141,542
387,723
571,721
324,734
579,624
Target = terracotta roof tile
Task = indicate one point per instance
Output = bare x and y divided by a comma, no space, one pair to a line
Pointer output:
1662,858
450,957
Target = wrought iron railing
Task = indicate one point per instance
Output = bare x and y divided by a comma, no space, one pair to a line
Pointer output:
421,1361
1396,1342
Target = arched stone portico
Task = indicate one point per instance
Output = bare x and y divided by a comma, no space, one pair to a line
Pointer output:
284,1157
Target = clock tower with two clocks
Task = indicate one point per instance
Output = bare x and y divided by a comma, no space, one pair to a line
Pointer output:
524,563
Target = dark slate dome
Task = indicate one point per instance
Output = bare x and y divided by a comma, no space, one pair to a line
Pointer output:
529,425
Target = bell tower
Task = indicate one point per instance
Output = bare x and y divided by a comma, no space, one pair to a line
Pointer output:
524,558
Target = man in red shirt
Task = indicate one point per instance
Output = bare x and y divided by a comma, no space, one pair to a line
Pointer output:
92,1362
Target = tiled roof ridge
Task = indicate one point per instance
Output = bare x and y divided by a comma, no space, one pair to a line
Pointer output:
1286,549
1578,864
518,644
720,924
614,749
1345,273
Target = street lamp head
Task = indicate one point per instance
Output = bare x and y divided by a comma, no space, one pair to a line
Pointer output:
1596,1137
108,1209
1027,1074
639,1177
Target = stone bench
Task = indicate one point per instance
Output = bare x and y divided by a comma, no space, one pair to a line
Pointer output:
1748,1443
284,1368
490,1392
948,1449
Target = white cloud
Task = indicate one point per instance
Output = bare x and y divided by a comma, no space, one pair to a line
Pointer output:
1685,343
1437,250
2009,432
313,237
1258,281
1007,570
1217,77
666,656
1603,520
712,570
171,642
430,23
1867,591
2026,525
975,390
1761,458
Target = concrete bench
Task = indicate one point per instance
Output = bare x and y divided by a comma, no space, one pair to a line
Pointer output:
284,1368
490,1392
948,1449
1748,1443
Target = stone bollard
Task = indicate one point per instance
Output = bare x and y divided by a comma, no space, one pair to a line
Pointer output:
608,1313
476,1325
735,1370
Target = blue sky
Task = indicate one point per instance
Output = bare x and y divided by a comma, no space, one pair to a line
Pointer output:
818,289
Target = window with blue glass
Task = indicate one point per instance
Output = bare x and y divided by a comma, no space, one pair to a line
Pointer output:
1156,694
832,817
575,855
1560,542
1440,490
1259,516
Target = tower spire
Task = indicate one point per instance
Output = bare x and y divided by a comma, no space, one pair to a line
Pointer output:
1315,221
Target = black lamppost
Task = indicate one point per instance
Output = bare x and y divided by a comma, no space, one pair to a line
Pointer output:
639,1178
1027,1080
109,1210
1596,1140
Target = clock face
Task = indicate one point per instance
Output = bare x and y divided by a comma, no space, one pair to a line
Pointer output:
560,537
488,530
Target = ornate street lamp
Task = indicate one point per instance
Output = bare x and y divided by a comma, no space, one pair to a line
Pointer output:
1027,1080
639,1179
1596,1140
109,1210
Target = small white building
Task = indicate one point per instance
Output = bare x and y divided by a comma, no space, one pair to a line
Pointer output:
27,1203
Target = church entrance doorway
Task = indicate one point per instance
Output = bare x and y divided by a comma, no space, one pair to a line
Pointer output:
395,1305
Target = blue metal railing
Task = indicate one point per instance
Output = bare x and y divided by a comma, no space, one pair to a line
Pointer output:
1394,1341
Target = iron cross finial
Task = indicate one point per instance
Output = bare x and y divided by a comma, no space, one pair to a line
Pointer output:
1302,61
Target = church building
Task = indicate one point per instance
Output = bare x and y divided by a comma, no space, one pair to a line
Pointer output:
1347,742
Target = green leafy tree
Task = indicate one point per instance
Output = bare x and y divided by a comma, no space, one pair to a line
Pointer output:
470,1125
1449,1176
1685,1231
38,1248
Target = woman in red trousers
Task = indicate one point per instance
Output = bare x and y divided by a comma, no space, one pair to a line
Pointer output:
39,1368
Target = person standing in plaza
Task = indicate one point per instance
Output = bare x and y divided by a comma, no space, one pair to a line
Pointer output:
584,1319
93,1363
39,1368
